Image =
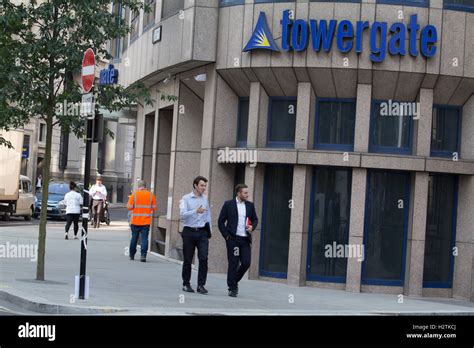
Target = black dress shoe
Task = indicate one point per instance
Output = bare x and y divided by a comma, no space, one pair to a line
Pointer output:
188,288
132,258
143,259
202,290
232,293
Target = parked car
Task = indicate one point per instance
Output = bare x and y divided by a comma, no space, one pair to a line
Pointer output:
56,204
24,205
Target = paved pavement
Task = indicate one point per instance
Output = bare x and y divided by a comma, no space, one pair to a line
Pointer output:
121,286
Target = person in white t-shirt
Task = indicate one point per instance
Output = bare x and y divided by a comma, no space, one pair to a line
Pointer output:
98,193
74,201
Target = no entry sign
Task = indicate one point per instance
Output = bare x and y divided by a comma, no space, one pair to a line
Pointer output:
88,70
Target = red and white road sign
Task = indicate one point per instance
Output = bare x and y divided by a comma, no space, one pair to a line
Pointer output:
88,70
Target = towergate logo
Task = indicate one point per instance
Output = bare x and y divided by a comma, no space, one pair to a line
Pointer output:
297,34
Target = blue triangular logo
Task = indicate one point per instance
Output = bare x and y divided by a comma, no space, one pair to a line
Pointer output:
261,37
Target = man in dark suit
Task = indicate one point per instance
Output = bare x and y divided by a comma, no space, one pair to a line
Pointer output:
237,221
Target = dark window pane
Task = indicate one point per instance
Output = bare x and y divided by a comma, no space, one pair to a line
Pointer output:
149,17
387,206
127,23
445,130
467,5
264,1
389,133
276,220
115,43
405,2
330,222
335,123
134,25
282,122
239,175
335,1
439,229
63,150
243,122
223,3
171,7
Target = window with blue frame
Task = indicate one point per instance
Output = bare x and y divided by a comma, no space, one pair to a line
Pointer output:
386,222
223,3
335,124
390,130
239,175
420,3
335,1
266,1
440,231
329,224
459,5
115,43
445,131
276,215
281,122
243,122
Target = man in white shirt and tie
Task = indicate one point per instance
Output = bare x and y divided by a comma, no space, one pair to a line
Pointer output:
98,194
237,221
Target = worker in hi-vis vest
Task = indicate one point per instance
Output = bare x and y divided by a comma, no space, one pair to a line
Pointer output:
141,203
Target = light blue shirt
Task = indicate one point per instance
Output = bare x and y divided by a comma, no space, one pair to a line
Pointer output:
187,210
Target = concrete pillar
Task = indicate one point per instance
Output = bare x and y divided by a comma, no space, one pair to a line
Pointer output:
362,124
110,147
254,178
154,151
138,162
298,244
185,158
463,287
301,189
304,116
416,238
209,115
422,140
258,115
356,226
219,130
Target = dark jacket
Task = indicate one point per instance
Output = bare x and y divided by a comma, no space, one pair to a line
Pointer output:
229,218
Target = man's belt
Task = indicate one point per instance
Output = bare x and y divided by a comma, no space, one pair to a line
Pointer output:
195,228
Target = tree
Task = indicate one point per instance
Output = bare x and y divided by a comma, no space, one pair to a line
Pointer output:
41,49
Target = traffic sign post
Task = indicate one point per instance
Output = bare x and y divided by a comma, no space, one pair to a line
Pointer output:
88,109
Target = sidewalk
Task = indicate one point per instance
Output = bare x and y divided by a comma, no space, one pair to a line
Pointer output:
120,286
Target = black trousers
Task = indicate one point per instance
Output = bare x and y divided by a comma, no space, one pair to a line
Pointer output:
195,239
238,257
70,218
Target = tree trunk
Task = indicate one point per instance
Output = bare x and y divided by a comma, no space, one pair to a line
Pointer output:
47,157
44,198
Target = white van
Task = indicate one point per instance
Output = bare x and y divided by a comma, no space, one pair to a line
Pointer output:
26,200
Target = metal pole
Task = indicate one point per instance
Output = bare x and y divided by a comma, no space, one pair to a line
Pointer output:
85,209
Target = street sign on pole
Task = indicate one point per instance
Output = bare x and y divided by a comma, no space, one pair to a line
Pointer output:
88,70
88,109
87,105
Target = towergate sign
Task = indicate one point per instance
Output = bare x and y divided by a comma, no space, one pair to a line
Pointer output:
298,34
